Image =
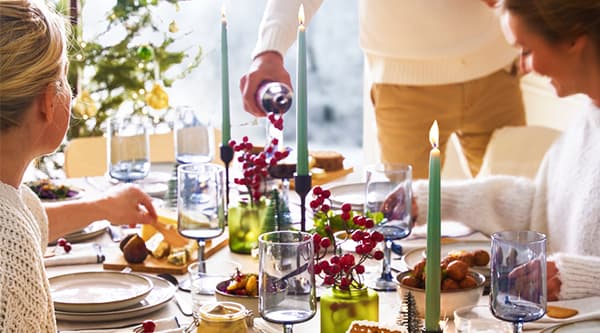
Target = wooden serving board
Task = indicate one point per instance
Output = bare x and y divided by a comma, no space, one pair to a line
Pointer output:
153,265
320,176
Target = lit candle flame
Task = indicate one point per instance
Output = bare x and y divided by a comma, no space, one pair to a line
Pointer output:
301,15
434,134
223,14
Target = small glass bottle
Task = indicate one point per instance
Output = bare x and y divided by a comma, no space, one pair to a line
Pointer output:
222,317
274,97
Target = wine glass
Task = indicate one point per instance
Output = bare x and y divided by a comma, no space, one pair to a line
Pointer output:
201,205
194,139
518,277
286,286
389,194
128,147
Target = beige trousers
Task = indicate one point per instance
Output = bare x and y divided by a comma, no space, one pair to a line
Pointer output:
472,110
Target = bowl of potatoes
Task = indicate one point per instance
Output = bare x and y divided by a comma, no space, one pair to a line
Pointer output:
241,288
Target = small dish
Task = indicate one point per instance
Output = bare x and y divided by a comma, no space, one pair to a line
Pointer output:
450,300
49,191
98,291
249,302
590,325
159,297
92,230
353,194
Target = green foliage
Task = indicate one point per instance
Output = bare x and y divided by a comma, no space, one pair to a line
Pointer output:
121,71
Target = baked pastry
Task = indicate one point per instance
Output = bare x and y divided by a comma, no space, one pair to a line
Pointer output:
366,326
328,160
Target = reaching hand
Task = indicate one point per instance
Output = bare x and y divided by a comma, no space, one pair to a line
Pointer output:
553,281
267,66
127,204
393,207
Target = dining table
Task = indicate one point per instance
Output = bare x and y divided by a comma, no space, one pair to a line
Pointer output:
389,302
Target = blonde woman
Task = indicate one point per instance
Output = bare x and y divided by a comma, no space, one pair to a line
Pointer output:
34,115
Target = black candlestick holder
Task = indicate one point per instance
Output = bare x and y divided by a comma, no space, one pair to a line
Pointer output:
226,157
302,185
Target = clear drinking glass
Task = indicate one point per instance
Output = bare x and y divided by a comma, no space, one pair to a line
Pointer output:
518,277
194,138
389,192
128,148
201,204
286,286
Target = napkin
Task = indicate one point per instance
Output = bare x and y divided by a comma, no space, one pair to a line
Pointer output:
85,253
166,325
589,308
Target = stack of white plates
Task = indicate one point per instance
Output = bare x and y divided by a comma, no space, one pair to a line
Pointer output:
101,296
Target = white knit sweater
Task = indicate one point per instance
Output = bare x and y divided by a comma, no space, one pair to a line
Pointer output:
25,301
562,202
412,42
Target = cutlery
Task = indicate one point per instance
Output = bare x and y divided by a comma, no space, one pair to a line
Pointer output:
183,306
115,233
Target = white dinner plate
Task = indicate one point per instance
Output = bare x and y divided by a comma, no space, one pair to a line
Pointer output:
585,326
94,229
353,194
412,257
98,291
160,295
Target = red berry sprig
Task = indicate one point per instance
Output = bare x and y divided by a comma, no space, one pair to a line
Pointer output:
66,246
148,326
343,271
256,166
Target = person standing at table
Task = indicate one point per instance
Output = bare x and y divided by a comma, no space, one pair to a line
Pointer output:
427,59
560,40
35,101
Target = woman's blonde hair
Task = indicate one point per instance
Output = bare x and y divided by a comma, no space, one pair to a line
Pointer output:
33,52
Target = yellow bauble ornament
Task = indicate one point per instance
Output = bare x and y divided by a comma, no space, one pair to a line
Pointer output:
84,105
157,98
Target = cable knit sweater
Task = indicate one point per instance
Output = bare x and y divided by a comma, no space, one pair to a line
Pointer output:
412,42
25,301
561,202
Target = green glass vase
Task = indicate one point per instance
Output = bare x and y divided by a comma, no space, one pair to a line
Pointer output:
340,307
245,223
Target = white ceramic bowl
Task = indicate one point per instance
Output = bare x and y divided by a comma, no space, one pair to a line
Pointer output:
249,302
450,299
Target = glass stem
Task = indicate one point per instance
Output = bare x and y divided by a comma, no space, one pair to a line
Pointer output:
201,246
386,270
287,328
518,327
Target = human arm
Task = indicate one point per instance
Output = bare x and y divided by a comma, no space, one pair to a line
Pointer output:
125,204
488,204
277,32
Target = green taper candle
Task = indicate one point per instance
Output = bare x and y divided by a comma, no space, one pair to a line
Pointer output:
301,117
226,123
432,267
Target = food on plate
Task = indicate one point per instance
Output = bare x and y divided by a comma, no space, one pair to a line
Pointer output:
558,312
134,249
455,271
158,246
328,160
474,258
241,284
365,326
46,190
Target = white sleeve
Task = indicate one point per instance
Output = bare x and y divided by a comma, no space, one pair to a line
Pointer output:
579,275
488,204
279,25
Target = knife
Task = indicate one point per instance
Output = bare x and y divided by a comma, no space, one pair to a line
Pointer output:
115,233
